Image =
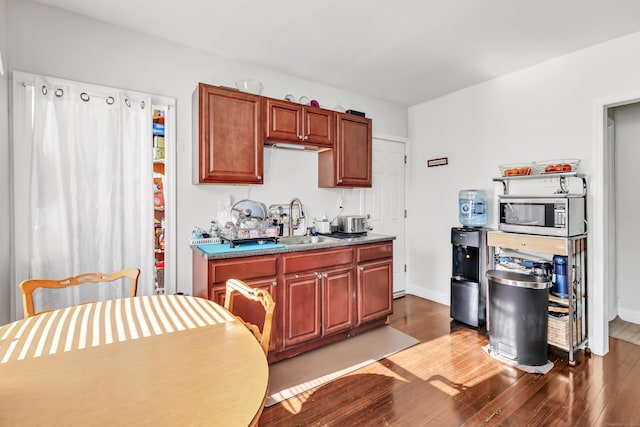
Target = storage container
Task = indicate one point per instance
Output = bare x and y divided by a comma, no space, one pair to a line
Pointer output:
518,316
472,208
560,287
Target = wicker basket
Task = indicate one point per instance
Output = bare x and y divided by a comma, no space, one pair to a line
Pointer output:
558,330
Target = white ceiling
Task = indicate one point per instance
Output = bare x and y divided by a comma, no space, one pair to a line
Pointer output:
405,51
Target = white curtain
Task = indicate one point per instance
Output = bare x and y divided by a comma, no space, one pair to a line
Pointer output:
91,204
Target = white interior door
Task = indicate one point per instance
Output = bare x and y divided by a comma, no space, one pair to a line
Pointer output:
385,201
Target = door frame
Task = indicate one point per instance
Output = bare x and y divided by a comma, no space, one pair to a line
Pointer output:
601,261
405,141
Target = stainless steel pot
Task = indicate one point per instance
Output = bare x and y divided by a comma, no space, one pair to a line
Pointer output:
353,224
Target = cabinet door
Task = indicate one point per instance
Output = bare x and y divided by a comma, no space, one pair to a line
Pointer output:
375,290
348,164
282,121
289,122
302,309
229,136
318,126
338,296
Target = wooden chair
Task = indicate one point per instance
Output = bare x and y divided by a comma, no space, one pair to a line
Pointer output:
28,286
234,287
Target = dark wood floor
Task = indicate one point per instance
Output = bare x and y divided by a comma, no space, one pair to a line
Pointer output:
447,380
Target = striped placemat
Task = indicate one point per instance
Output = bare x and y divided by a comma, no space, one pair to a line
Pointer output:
105,322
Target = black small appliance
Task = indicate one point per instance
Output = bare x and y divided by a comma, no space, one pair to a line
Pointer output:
468,281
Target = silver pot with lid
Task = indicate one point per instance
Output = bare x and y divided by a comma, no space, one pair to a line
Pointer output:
353,224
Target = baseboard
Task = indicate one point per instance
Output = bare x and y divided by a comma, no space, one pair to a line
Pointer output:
429,294
629,315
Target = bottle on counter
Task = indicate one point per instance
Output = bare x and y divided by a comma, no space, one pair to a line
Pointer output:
213,229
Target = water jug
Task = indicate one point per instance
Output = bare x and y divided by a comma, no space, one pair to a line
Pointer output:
560,286
472,208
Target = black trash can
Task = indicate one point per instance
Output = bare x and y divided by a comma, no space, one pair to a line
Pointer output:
518,316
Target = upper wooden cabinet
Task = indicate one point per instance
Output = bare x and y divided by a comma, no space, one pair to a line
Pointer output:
287,121
228,136
349,163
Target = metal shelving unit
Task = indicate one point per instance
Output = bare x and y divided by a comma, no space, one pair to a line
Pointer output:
569,332
561,176
569,326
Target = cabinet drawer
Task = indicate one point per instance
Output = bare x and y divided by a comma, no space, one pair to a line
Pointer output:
376,251
242,268
317,259
526,242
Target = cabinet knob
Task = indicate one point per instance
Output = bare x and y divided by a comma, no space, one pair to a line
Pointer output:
300,137
305,137
259,177
325,275
361,268
524,243
274,283
318,275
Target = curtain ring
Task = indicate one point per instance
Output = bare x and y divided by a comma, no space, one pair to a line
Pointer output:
110,100
84,96
44,90
59,92
126,101
142,105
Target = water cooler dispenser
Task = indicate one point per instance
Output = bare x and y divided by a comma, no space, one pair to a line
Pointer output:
468,276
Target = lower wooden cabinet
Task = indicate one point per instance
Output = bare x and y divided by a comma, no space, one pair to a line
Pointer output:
302,307
338,301
317,303
321,295
375,290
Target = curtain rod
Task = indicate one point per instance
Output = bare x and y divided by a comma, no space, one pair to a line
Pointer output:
85,96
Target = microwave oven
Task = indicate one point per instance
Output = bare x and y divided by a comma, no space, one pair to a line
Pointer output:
561,216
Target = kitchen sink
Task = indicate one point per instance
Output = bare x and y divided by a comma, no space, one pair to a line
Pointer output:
305,240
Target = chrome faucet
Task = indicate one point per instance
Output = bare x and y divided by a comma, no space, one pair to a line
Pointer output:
300,210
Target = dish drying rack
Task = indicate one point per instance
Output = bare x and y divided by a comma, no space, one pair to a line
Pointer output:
236,236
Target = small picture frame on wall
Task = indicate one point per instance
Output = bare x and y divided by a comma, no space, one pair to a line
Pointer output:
441,161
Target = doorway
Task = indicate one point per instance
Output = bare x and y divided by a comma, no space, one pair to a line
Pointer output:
623,133
602,223
385,202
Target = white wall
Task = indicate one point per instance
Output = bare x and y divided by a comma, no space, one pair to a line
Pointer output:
627,176
5,210
52,42
544,112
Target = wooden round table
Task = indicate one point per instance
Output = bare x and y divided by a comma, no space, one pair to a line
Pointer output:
153,360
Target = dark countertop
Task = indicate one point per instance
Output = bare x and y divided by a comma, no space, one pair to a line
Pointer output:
333,243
